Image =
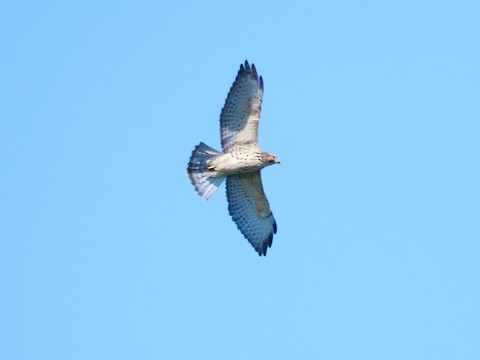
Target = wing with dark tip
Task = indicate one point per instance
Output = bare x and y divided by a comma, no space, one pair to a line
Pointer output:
241,112
249,208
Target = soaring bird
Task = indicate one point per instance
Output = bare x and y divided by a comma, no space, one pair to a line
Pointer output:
240,162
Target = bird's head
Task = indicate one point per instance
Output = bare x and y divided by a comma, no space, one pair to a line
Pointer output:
269,159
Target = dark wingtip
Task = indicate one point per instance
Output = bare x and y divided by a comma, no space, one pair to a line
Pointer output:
262,251
250,71
268,243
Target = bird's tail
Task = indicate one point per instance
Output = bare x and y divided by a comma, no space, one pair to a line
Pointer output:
203,181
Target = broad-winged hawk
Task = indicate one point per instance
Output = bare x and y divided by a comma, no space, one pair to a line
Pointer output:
240,162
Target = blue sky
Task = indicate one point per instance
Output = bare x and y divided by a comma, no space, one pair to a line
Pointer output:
106,251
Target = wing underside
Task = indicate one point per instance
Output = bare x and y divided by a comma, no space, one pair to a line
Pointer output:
241,113
249,208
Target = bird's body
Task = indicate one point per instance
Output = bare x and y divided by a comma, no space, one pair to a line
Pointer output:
240,162
236,160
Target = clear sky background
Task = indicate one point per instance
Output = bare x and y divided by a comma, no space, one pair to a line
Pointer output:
106,251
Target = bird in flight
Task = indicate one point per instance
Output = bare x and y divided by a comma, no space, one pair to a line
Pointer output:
240,162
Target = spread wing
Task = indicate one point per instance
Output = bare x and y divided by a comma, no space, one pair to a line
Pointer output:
241,112
248,206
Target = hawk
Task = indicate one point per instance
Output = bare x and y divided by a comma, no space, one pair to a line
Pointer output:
240,162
